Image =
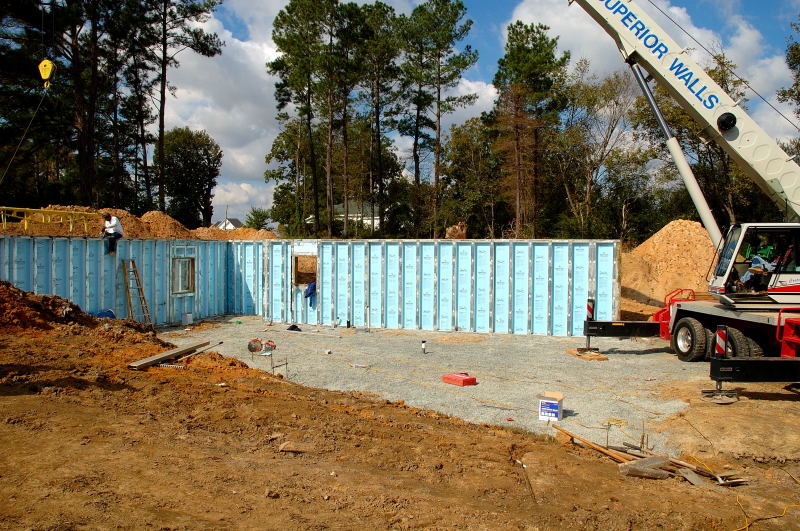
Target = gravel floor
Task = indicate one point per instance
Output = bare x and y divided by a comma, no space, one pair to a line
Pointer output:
619,396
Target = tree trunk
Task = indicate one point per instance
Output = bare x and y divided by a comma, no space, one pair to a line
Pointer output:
345,176
299,196
162,104
138,88
518,181
329,165
376,100
437,153
313,156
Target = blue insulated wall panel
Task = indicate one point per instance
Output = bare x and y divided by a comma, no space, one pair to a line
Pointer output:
483,295
249,284
358,292
521,288
41,271
410,285
23,250
79,269
276,292
446,286
376,288
325,283
392,286
427,296
502,286
464,286
163,274
604,291
541,289
342,282
94,265
580,286
60,259
560,307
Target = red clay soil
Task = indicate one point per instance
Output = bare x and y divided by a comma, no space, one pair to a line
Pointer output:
161,225
88,443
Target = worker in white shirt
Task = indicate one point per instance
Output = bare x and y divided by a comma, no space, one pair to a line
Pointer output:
112,232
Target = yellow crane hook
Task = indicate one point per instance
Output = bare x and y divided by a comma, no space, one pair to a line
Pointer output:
46,69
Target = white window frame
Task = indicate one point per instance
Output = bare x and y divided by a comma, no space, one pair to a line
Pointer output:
179,265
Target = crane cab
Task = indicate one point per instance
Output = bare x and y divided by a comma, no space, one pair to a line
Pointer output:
758,263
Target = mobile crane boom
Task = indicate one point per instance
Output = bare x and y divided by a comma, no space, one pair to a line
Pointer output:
756,279
642,41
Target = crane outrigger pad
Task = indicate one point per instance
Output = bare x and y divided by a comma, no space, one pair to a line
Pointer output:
755,369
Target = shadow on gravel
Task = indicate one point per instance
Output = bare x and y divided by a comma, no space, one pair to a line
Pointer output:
789,396
644,352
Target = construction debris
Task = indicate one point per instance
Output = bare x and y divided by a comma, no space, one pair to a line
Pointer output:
638,461
164,356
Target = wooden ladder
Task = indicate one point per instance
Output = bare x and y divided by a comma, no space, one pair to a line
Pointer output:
133,282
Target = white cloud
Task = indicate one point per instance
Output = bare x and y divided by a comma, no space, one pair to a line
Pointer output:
744,44
486,93
236,198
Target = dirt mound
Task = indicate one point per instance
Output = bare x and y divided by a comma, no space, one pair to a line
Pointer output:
131,225
161,225
210,233
246,233
21,309
242,233
677,256
153,224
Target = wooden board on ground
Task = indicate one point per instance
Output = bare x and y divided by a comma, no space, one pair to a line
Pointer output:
170,354
588,356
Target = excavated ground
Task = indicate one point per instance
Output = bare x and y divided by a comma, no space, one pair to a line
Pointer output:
86,442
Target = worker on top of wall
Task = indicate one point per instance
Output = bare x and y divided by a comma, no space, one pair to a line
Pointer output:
112,232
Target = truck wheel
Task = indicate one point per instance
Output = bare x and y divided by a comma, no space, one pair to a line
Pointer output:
689,340
756,350
738,344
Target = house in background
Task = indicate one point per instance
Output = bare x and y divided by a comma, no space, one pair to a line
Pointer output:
356,211
228,224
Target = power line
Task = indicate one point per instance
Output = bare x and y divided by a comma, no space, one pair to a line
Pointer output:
731,71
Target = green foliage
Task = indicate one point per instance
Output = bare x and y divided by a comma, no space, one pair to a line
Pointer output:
791,94
192,161
88,141
257,218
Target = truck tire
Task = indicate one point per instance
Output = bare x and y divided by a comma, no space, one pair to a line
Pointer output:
756,350
689,340
738,344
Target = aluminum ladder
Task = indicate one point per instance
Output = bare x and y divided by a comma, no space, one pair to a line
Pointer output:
133,288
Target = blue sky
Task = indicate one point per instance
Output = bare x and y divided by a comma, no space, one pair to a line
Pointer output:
231,96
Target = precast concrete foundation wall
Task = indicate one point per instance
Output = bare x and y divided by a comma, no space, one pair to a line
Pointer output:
519,287
78,269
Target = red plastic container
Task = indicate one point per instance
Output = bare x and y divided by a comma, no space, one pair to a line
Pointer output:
459,378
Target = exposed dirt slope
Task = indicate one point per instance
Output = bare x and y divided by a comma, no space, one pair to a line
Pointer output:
88,443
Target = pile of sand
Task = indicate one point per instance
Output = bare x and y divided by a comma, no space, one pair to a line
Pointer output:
161,225
153,224
677,256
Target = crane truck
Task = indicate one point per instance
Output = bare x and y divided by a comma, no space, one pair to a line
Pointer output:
750,329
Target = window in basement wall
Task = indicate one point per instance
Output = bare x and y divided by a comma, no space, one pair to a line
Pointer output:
182,275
